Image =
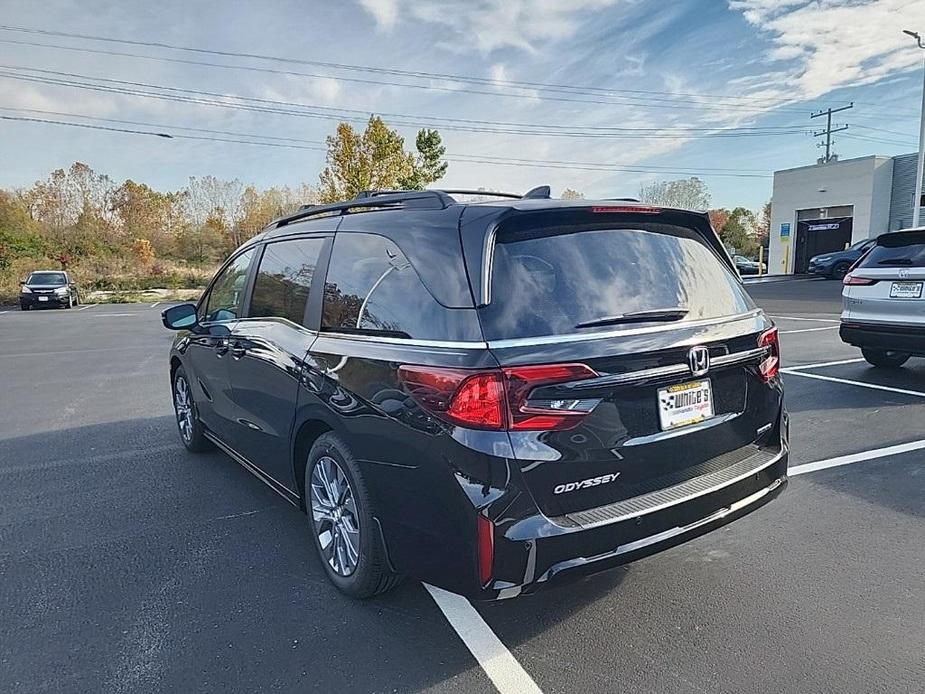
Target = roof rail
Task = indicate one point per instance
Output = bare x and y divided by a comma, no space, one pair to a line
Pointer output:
623,199
486,193
422,199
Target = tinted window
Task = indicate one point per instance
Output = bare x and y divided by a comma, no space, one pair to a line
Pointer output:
284,279
54,279
903,250
372,288
224,301
547,282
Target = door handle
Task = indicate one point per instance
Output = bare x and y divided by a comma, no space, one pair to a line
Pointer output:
237,350
221,347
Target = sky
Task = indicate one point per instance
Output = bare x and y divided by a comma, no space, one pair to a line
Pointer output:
595,95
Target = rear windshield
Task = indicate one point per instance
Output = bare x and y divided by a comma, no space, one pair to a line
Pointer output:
50,278
550,282
904,250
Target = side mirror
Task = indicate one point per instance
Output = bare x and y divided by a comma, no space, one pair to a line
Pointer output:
179,317
22,282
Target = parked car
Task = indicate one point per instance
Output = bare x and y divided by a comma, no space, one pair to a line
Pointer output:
884,303
492,397
745,266
836,265
48,288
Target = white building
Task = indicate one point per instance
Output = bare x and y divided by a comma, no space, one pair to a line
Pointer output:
826,207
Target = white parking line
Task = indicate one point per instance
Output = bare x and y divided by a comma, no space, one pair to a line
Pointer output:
818,320
84,308
154,305
501,667
809,330
819,365
857,457
114,315
848,382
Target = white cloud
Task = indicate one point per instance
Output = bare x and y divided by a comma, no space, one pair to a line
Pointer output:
835,43
383,11
491,24
318,91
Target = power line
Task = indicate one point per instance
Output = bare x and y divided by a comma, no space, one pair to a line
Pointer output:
459,158
195,96
417,74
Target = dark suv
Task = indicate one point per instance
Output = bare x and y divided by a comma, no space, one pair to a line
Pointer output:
491,397
48,288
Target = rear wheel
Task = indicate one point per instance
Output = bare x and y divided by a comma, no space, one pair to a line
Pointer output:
840,270
885,358
191,431
345,533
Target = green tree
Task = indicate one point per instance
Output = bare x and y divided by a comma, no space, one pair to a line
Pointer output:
740,231
377,160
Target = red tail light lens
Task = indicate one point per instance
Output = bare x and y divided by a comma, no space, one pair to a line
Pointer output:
550,414
852,280
499,399
770,367
486,543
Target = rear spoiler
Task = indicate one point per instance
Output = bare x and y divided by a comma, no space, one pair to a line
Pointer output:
479,228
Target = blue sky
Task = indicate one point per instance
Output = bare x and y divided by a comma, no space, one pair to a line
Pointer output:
705,64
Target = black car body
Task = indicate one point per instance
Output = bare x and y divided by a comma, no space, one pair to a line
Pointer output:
836,265
48,288
496,377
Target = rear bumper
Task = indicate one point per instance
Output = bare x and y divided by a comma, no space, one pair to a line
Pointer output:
899,338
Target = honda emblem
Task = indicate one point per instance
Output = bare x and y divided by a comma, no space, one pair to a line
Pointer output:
699,360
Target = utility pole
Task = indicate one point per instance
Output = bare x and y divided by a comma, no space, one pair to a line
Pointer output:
920,169
828,128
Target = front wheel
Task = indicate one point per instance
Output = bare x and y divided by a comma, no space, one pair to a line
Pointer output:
344,531
191,431
885,358
840,270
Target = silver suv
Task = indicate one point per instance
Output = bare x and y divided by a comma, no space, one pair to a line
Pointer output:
884,300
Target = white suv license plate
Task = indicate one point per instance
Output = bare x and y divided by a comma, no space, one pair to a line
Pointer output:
685,403
906,290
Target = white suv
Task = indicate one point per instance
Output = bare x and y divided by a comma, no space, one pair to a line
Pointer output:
884,300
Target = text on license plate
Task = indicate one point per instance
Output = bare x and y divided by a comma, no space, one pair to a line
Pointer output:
43,298
685,403
906,290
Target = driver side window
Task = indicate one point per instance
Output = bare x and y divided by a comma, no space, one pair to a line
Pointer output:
227,295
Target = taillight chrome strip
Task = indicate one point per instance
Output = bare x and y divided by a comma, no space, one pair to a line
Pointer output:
651,502
670,371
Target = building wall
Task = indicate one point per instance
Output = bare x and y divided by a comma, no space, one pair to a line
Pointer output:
904,167
865,183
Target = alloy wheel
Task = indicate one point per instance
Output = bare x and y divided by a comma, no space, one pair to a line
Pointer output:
183,403
335,517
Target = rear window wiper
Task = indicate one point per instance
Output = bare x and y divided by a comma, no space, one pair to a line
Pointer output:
658,314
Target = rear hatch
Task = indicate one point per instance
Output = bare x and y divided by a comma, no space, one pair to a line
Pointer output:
888,285
627,295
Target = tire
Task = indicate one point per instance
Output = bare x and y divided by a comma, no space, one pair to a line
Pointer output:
839,270
345,534
188,424
23,307
70,301
884,358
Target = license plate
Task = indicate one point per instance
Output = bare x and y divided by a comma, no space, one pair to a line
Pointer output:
685,403
43,298
906,290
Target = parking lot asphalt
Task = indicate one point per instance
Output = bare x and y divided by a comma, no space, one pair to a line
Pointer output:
128,564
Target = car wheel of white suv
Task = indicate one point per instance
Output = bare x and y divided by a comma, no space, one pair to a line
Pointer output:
885,358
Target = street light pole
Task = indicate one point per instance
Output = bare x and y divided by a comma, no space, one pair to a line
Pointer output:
920,169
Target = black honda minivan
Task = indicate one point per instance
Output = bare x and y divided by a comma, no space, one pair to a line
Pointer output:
490,396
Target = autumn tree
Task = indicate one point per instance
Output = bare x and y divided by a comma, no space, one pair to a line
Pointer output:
689,194
740,231
570,194
376,160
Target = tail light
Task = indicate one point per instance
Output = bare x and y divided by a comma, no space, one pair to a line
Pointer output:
770,367
486,545
851,280
499,399
624,209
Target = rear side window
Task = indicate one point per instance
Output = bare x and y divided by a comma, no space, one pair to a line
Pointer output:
372,289
284,279
551,281
903,250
